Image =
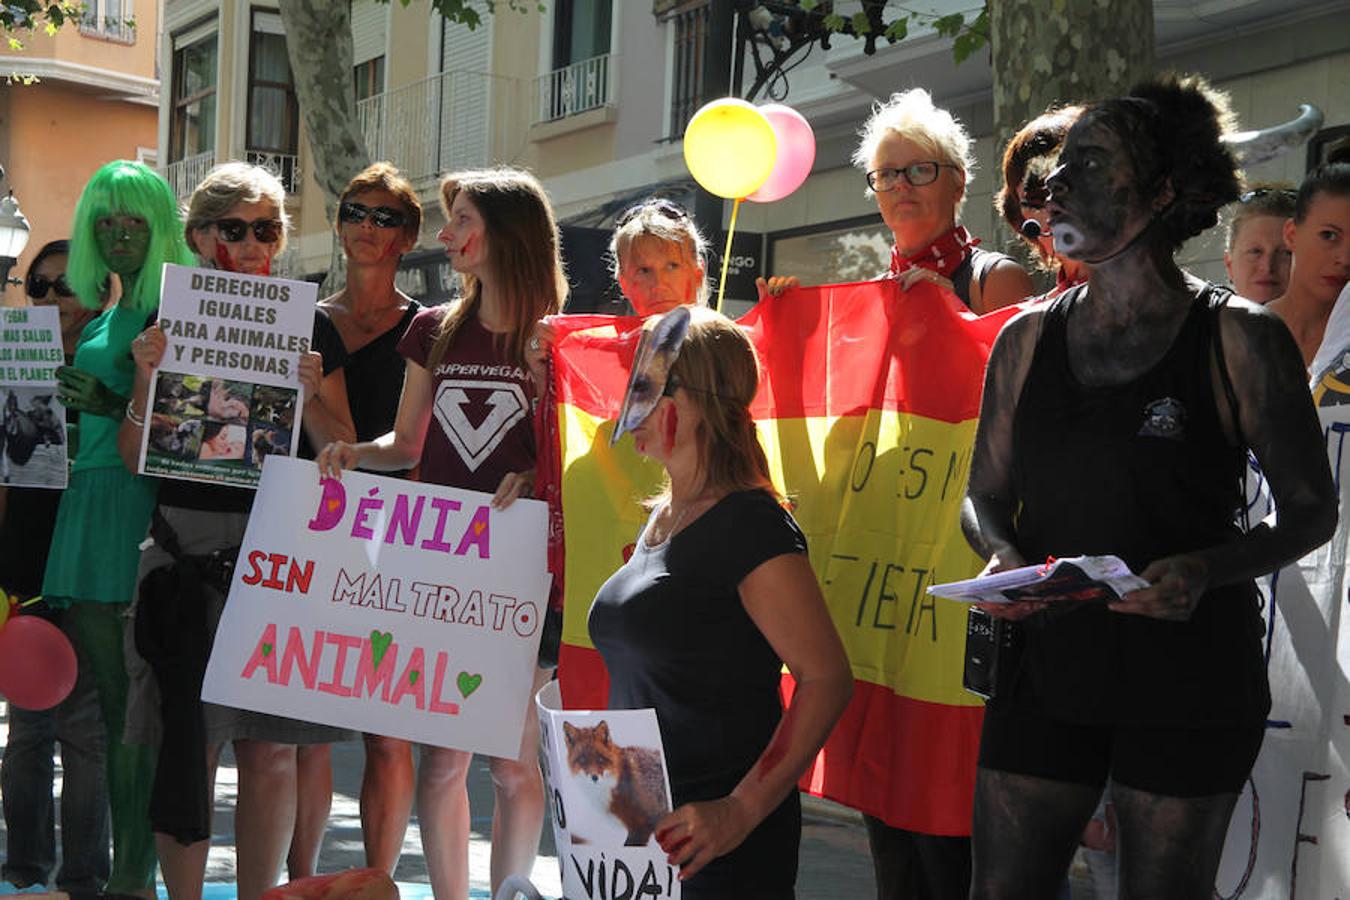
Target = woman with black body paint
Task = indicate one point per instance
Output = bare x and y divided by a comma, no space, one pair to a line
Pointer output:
1117,420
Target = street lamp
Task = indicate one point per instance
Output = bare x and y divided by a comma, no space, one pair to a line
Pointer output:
13,236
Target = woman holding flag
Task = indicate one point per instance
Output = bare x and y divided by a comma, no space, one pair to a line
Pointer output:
502,239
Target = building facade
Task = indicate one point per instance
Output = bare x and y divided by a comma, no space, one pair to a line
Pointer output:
593,96
95,99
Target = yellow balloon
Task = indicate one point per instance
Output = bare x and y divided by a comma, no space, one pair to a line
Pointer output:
730,148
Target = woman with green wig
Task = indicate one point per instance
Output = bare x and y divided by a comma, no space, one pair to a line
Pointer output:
126,224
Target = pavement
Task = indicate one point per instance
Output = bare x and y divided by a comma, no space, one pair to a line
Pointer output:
834,856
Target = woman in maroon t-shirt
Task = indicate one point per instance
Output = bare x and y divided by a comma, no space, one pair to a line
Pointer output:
466,417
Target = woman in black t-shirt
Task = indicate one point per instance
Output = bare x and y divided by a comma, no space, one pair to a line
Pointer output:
1116,419
717,595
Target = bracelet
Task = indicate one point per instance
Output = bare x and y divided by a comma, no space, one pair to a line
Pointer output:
131,415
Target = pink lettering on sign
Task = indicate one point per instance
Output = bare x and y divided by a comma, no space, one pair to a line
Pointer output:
406,524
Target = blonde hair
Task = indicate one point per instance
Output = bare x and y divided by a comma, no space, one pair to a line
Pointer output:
523,255
664,221
228,185
719,370
912,115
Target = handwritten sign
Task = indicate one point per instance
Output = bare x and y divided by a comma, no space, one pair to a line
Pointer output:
1290,833
34,437
607,788
227,394
404,609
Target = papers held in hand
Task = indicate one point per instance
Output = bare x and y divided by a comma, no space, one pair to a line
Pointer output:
1078,578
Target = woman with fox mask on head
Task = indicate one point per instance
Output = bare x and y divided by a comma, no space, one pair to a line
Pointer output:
1116,420
700,620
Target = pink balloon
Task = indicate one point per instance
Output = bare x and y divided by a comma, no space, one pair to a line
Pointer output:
37,663
796,153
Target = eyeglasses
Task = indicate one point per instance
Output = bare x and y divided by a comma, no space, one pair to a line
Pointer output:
667,208
917,174
37,286
1265,192
231,231
380,216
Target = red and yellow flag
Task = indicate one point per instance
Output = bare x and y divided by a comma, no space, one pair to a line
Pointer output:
866,409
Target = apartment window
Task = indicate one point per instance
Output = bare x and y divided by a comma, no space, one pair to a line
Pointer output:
272,139
108,19
689,29
580,31
193,128
369,77
273,113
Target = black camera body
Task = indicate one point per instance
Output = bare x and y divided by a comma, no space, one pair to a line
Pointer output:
991,653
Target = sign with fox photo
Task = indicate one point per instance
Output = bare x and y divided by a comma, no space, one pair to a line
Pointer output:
607,787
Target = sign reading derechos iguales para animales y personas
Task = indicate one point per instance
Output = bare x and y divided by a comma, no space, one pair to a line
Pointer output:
227,393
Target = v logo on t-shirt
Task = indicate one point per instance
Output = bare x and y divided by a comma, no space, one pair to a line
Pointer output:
506,406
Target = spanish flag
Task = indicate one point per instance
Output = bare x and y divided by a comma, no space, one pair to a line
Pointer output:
866,409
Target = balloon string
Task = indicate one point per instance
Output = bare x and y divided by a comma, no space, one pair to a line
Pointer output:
726,255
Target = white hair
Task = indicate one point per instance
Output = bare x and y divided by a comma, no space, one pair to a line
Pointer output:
912,115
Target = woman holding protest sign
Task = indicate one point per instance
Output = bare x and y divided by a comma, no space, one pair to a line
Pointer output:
126,224
501,237
379,218
236,222
1161,383
717,595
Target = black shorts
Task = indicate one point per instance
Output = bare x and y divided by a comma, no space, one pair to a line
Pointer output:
1171,761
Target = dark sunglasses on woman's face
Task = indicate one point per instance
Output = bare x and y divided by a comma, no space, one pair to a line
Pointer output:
380,216
266,231
38,285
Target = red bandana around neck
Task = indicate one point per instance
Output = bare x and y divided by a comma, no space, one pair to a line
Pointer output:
1063,282
943,256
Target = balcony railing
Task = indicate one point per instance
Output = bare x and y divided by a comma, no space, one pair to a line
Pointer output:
575,89
185,174
439,123
286,166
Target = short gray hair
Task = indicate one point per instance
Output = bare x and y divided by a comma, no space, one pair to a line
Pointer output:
912,115
227,185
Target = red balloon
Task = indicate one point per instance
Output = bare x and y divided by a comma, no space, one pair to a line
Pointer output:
37,663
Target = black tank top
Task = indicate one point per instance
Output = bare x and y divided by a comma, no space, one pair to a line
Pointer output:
1141,470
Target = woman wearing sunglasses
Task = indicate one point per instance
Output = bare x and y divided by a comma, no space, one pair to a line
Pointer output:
236,222
379,218
503,241
27,518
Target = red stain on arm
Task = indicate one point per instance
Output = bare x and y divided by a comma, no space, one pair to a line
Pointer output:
778,747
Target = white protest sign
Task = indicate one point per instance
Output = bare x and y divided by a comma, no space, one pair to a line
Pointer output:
403,609
1290,834
227,394
34,436
608,787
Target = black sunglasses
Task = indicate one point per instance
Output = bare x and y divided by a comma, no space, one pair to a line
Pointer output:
38,285
665,207
231,231
1249,196
380,216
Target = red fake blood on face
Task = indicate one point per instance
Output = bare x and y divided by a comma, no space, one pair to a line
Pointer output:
464,248
223,260
672,423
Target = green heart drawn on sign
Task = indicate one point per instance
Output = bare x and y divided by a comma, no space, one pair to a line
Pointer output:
379,642
267,649
468,683
413,676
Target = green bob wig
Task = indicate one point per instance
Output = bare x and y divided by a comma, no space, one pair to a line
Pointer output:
123,187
